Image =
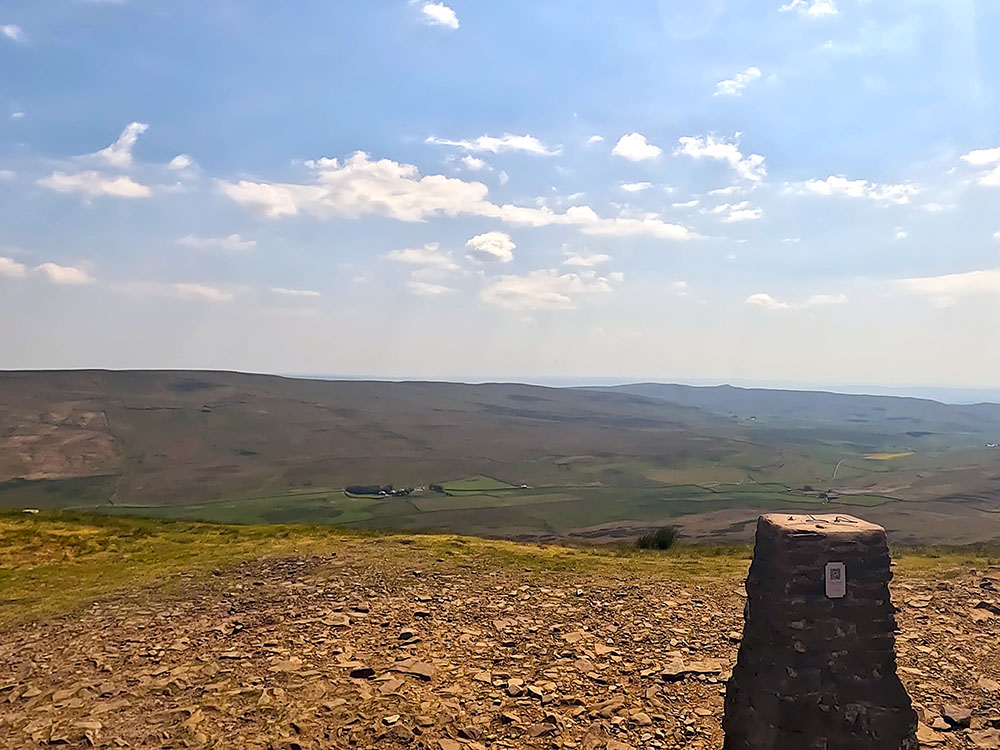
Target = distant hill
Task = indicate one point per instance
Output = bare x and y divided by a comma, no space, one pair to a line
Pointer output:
496,459
815,409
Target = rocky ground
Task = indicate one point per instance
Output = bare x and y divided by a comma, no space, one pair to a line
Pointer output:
358,650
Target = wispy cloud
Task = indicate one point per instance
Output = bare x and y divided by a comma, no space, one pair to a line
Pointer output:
233,243
709,147
734,212
734,86
359,186
95,184
179,162
495,144
768,302
839,185
587,261
13,32
187,291
119,153
811,8
547,290
64,275
284,291
428,255
427,288
949,289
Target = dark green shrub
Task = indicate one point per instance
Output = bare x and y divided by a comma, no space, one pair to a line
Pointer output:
662,538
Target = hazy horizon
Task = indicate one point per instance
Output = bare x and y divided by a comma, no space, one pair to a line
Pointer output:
943,393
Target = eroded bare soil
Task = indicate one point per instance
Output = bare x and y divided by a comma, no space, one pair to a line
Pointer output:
356,651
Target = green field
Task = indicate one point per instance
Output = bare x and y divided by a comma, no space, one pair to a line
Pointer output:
490,507
476,484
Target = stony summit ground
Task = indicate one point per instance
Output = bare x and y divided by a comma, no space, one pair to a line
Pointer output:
431,642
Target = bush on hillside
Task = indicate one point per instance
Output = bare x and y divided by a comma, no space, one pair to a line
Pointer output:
662,538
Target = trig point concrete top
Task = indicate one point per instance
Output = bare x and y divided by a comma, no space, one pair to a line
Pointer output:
826,524
816,668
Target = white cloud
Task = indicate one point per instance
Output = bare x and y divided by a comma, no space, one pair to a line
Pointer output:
429,256
587,261
767,301
734,86
503,177
636,187
986,157
64,275
996,235
201,292
294,292
709,147
547,290
811,8
13,32
635,147
359,186
493,144
179,162
947,290
191,292
595,139
439,14
16,115
651,225
7,174
119,153
725,191
492,246
982,157
817,300
427,289
839,185
94,184
10,267
473,163
733,212
687,204
991,179
820,300
901,234
681,287
233,243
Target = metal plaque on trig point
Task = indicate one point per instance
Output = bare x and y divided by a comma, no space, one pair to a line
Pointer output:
836,580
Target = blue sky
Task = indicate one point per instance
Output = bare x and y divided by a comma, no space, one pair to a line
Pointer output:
799,192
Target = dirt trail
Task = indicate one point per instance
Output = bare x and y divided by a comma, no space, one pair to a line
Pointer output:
346,651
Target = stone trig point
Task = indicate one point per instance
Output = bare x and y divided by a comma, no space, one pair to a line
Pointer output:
816,667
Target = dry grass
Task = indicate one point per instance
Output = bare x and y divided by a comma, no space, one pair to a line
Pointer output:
54,563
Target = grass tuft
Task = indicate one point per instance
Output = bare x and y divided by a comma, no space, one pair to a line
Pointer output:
663,538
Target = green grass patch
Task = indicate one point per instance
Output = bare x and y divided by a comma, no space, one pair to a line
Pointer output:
477,484
54,562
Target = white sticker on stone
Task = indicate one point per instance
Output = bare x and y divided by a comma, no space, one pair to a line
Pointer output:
836,580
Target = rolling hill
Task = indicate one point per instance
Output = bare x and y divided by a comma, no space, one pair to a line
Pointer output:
590,463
